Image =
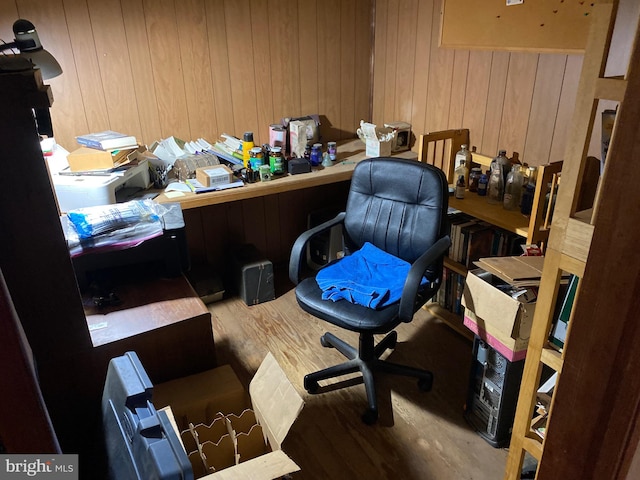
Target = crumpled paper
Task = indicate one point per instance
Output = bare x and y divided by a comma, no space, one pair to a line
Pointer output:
370,131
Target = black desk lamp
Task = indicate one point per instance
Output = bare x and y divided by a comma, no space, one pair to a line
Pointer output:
30,48
31,56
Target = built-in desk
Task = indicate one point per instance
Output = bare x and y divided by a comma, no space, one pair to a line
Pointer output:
269,215
349,154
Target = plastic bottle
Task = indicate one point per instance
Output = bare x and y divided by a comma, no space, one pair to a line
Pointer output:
463,155
247,145
276,161
256,158
513,189
460,186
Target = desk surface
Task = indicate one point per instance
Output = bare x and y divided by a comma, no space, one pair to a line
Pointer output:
349,154
147,305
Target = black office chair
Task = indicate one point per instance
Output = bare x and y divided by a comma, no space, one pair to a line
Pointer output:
399,206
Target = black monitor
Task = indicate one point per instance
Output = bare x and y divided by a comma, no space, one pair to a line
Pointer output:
141,443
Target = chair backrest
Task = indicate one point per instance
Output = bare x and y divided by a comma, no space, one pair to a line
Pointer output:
440,148
398,205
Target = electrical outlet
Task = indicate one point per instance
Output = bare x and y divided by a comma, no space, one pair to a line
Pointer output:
514,2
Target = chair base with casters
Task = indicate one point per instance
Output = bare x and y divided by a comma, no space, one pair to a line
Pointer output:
366,359
395,226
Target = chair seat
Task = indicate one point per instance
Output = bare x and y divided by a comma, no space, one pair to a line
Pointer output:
345,314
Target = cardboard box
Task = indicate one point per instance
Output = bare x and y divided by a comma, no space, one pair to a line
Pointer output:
402,137
239,436
378,141
376,148
514,352
84,159
499,315
214,175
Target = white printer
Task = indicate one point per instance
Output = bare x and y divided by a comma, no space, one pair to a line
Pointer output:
78,191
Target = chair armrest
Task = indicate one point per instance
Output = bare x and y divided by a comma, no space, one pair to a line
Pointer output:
298,252
416,272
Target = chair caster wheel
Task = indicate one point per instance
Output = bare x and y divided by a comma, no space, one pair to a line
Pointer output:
310,385
325,343
370,416
425,384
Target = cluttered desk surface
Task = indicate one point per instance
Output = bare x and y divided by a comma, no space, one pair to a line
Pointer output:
349,154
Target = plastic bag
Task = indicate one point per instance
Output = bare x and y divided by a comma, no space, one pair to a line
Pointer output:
92,221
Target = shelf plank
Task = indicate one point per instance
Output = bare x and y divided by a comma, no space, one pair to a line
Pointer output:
577,241
551,358
477,206
455,266
611,88
533,445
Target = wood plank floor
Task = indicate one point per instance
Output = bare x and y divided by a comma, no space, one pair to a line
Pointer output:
419,435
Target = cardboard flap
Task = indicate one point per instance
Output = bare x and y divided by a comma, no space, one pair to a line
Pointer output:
265,467
276,402
489,303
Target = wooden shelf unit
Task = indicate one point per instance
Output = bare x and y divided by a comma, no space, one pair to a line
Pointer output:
439,149
585,436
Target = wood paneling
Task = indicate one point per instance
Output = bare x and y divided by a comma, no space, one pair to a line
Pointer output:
520,102
200,68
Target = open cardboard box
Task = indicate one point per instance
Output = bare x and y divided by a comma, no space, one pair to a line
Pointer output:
237,435
492,312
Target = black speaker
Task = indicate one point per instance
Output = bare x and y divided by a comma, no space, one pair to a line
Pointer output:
494,384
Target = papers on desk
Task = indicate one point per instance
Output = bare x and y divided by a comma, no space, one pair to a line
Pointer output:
193,185
198,187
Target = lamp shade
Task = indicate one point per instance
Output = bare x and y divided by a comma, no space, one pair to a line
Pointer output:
43,60
28,43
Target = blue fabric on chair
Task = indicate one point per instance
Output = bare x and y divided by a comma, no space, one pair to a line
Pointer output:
369,277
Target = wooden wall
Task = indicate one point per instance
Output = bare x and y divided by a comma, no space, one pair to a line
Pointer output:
199,68
520,102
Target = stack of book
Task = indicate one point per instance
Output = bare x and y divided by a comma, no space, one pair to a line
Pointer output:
472,239
102,153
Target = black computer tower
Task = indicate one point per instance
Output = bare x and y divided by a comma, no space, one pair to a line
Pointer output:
325,247
494,384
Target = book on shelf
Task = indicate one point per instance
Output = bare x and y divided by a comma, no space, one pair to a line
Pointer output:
107,140
478,243
456,221
561,323
449,296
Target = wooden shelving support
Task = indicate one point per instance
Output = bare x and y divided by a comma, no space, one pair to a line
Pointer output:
586,436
